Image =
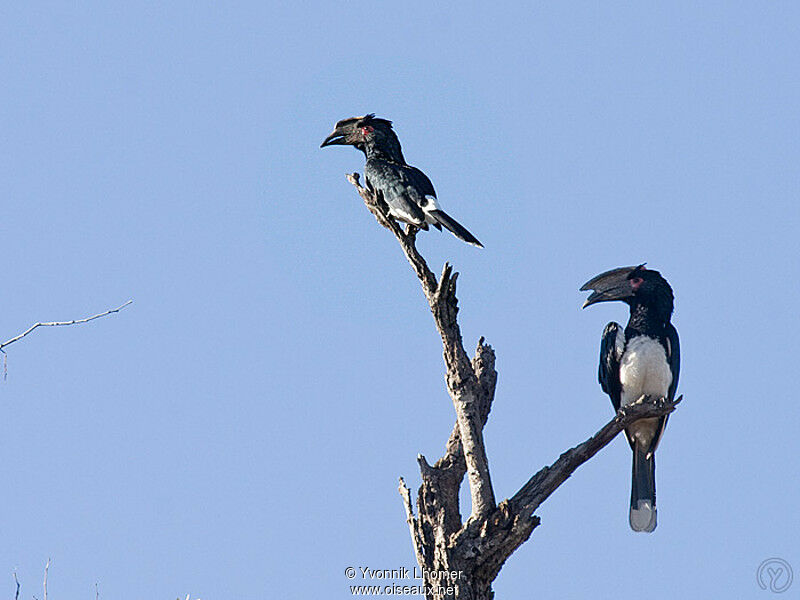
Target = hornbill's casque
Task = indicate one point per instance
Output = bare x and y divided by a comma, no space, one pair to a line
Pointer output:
642,359
407,191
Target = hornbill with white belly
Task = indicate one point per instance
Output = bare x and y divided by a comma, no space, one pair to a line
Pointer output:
641,360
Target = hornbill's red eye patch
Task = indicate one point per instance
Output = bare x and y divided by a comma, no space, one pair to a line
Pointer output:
636,282
367,129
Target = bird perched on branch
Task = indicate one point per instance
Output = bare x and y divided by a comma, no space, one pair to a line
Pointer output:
641,360
406,190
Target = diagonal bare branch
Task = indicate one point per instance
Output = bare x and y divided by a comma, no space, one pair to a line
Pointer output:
493,539
545,482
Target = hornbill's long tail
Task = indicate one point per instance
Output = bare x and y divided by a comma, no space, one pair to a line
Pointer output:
643,490
454,226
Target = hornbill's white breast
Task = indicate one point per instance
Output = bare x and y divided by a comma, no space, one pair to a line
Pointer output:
644,370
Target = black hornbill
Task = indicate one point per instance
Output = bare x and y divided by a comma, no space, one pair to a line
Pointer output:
407,191
642,359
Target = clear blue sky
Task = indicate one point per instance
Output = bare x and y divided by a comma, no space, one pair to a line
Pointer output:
239,430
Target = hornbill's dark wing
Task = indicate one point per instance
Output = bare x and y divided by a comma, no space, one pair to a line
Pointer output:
398,187
673,357
424,185
608,373
421,181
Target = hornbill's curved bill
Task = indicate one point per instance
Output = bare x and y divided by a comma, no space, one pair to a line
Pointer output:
333,140
337,138
608,286
406,190
641,360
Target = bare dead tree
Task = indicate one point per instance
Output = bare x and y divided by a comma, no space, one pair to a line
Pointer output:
460,559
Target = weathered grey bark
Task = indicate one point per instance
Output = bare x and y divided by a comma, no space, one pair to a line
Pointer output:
476,550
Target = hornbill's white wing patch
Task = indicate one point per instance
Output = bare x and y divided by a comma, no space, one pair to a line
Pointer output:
428,202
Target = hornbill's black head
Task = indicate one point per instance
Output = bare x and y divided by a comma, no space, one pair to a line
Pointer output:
367,131
632,285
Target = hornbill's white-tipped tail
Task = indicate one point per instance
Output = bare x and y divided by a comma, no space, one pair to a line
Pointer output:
643,491
456,228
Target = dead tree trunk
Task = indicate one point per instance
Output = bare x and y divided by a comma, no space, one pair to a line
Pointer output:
460,559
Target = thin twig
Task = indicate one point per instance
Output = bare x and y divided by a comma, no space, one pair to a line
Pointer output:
16,595
54,324
46,568
63,323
